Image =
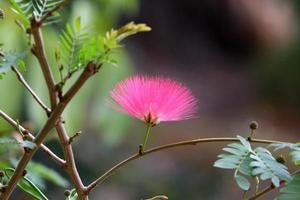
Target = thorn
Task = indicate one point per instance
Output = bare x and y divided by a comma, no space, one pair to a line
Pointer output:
74,136
141,150
24,173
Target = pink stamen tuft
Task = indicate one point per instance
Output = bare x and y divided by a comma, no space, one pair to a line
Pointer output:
154,99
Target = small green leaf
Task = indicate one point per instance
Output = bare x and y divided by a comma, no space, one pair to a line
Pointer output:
77,24
242,182
73,195
26,185
244,142
21,64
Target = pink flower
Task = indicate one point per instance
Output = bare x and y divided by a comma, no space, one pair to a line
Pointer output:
154,99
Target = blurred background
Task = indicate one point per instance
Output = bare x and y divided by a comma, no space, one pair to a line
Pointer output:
240,58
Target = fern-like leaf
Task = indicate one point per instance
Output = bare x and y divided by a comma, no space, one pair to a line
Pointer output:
237,157
71,43
266,167
254,163
26,9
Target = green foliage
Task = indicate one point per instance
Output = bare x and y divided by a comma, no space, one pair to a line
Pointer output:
26,9
70,45
78,47
266,167
295,153
292,190
11,58
73,195
237,157
251,162
26,185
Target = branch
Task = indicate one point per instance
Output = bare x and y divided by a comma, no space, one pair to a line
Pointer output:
70,161
51,122
65,140
50,12
89,70
39,52
34,95
44,148
112,170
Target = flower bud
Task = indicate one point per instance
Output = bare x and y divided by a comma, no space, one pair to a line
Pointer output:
67,193
253,125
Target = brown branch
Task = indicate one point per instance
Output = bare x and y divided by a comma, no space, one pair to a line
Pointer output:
89,70
112,170
44,148
39,52
64,139
71,165
34,95
51,122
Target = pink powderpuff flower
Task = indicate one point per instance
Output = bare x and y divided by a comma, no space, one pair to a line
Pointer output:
154,99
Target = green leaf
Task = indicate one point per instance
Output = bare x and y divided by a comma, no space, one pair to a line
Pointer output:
20,8
10,59
26,9
266,167
237,156
77,24
38,170
73,195
71,44
242,182
292,190
26,185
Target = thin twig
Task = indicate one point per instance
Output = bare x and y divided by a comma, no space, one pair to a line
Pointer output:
34,95
44,148
164,147
71,139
